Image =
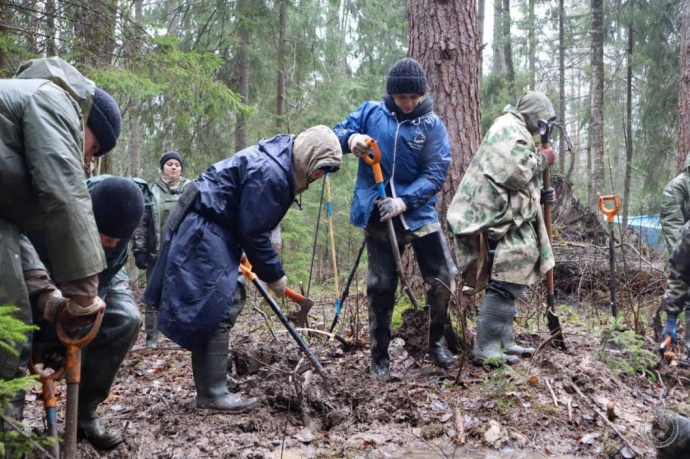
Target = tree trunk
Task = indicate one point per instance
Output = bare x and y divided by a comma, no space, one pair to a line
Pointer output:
532,43
597,102
684,96
508,51
282,39
443,38
51,50
497,43
4,37
628,131
245,35
481,7
561,82
134,141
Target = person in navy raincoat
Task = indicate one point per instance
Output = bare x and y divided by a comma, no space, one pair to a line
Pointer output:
231,208
415,151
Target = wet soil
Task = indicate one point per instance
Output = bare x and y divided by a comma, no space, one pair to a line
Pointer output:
551,406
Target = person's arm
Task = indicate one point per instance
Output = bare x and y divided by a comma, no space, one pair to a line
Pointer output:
672,218
679,274
355,123
54,159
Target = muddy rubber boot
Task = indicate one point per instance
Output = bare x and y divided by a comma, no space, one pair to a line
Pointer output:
510,347
438,351
210,377
380,360
490,327
151,327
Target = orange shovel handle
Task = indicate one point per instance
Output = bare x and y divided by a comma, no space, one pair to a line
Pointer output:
610,213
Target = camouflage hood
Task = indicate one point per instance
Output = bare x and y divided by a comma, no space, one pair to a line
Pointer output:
314,148
54,69
534,106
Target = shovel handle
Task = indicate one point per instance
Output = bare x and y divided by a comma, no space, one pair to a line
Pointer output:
375,161
610,213
294,296
246,269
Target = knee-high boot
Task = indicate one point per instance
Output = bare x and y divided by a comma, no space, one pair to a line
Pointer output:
210,370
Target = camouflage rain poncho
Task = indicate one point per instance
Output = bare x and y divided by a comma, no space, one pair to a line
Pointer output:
497,204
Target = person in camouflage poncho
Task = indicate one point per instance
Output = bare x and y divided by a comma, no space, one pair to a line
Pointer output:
496,218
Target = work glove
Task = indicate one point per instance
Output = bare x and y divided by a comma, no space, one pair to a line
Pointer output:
51,303
140,260
76,316
548,196
670,329
390,207
549,153
278,287
358,145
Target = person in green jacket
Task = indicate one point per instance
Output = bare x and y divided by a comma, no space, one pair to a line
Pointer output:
118,206
54,121
501,241
166,190
675,212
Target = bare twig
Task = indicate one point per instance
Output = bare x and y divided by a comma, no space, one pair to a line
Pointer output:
553,394
16,427
459,427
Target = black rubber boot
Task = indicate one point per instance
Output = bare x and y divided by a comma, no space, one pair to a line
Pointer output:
102,358
508,340
210,377
151,327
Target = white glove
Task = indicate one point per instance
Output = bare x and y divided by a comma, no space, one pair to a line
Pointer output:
358,145
278,287
390,207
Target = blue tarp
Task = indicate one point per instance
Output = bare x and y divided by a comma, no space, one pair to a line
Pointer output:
647,226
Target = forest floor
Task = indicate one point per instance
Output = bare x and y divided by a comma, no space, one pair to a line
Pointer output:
550,406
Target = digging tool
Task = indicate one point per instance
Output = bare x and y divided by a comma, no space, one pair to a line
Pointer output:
49,400
247,272
610,214
346,291
305,305
73,377
331,235
375,162
551,317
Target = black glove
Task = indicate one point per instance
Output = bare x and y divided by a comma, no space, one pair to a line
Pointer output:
140,260
548,196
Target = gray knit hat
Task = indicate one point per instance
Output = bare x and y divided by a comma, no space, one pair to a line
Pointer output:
406,77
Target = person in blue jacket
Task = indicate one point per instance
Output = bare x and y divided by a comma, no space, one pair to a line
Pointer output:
415,151
231,208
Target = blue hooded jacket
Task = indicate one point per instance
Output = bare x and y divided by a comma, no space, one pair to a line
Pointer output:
241,199
415,155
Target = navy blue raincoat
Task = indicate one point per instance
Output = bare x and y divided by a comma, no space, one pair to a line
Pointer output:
241,200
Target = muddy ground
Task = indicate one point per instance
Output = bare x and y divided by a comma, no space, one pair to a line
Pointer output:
551,406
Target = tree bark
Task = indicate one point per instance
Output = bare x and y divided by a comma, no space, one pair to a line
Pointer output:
497,43
532,43
508,51
561,82
481,8
282,39
597,102
4,37
51,49
443,38
684,96
628,131
245,36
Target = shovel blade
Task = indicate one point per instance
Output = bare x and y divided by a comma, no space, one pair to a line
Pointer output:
300,316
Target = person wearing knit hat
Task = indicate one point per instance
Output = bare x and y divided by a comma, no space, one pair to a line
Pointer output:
118,206
166,190
105,121
415,155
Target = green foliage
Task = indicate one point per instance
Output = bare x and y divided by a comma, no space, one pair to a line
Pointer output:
13,333
624,351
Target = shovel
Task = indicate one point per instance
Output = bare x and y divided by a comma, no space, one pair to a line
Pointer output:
73,377
49,400
610,213
375,162
551,318
305,304
247,272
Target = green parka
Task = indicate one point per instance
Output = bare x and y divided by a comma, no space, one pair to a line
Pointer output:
42,182
497,204
675,206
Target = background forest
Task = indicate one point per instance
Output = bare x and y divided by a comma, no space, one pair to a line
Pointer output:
209,77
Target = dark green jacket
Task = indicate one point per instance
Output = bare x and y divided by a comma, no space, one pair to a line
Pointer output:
42,182
675,206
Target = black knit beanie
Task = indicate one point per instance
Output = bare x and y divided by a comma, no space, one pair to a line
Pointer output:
406,77
167,156
118,206
105,120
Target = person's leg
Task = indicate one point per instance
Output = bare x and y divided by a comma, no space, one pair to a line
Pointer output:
381,284
102,358
210,368
437,271
150,316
